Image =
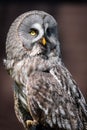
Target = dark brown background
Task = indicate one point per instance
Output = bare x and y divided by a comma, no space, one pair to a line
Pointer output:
72,25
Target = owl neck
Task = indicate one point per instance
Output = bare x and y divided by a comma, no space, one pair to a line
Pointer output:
28,65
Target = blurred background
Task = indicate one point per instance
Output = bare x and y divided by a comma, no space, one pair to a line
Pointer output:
72,26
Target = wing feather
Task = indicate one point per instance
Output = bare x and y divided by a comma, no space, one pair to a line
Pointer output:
56,105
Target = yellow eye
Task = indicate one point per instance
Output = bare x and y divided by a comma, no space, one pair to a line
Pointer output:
33,32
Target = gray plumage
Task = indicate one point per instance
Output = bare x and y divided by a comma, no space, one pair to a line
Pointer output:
45,94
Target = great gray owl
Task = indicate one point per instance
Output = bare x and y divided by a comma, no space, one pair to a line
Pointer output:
45,94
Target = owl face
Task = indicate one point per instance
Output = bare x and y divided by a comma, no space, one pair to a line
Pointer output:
32,34
38,33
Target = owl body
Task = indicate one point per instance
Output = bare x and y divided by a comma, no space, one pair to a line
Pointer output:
45,94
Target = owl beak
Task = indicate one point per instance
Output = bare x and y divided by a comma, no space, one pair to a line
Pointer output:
43,41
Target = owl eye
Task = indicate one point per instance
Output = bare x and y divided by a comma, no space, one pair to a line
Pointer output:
48,31
33,32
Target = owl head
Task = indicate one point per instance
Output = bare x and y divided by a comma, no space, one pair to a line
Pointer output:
32,34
